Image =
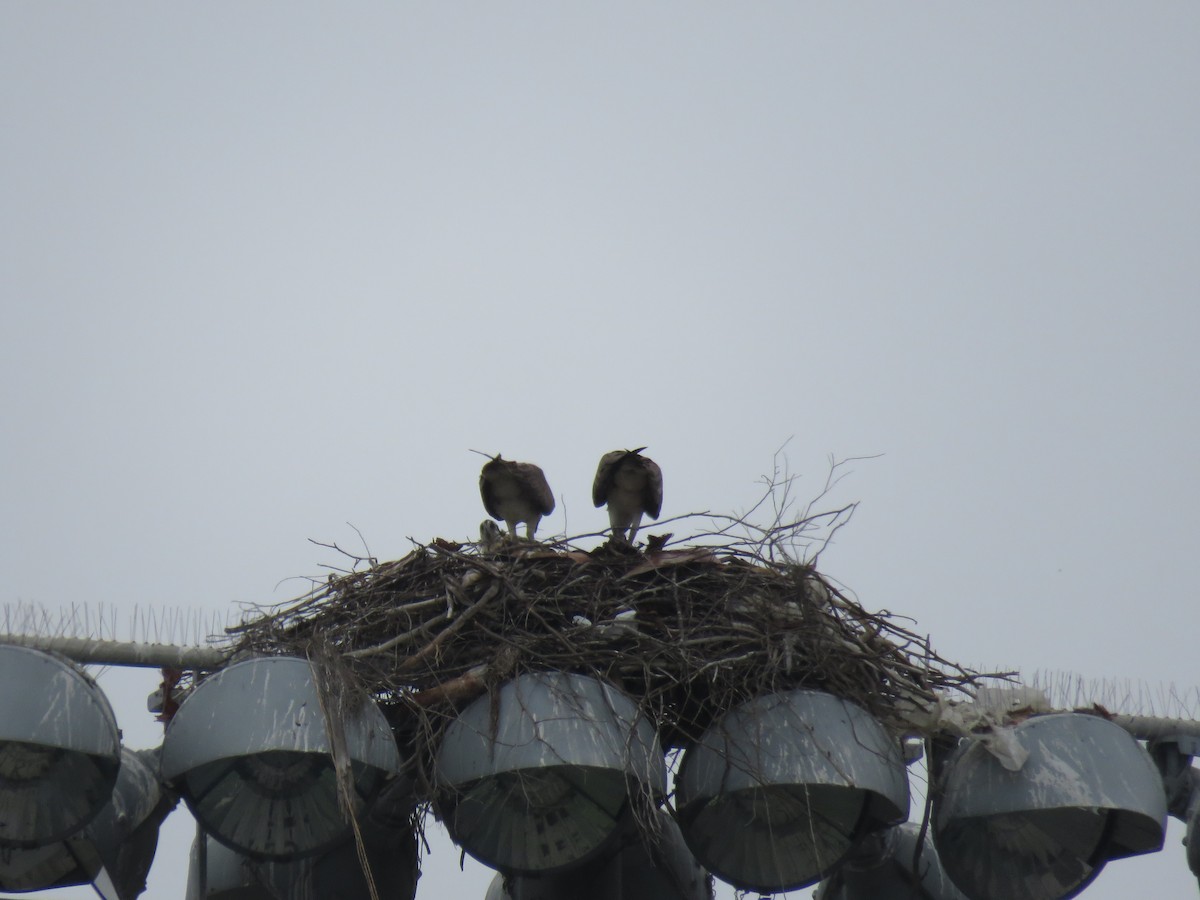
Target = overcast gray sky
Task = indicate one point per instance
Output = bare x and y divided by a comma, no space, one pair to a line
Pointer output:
268,269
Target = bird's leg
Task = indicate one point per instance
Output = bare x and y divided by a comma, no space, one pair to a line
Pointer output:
633,528
512,527
531,526
618,527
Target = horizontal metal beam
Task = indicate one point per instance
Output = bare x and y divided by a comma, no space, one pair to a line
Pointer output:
122,653
1149,728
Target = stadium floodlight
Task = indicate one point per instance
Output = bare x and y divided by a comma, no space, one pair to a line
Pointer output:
886,866
114,850
219,873
541,775
653,867
778,790
250,753
390,843
1086,793
59,748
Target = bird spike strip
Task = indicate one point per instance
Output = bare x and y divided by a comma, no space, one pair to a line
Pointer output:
690,633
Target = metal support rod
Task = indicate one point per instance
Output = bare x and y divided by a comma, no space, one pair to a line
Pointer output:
1149,728
122,653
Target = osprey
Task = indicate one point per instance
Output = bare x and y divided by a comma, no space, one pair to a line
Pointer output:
491,538
631,485
515,492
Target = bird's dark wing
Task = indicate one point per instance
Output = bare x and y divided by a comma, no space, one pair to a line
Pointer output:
535,486
604,476
485,491
652,493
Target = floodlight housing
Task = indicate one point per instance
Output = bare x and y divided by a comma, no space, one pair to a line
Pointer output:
646,867
881,867
251,755
59,748
116,847
539,776
776,792
218,873
1087,793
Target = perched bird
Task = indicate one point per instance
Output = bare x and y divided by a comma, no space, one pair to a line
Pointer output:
631,485
515,492
491,538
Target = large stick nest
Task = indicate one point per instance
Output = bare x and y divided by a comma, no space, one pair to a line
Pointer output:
690,632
